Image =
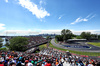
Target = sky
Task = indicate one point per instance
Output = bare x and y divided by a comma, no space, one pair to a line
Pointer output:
23,17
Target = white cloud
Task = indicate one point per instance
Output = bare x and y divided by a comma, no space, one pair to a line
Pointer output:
29,32
80,31
6,0
93,16
41,2
60,17
19,32
80,19
88,15
32,7
50,31
2,26
35,32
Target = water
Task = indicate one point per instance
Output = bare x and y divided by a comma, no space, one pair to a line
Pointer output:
4,42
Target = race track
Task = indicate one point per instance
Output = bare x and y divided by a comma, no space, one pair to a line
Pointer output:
91,49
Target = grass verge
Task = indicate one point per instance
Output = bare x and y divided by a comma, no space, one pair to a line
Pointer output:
42,46
56,41
5,49
95,43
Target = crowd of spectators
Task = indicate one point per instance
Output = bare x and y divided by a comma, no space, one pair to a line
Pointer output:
46,57
35,40
63,59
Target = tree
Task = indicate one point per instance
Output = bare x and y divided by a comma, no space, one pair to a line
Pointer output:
99,37
48,37
86,35
63,32
17,43
78,37
94,36
1,40
59,37
7,44
67,34
1,44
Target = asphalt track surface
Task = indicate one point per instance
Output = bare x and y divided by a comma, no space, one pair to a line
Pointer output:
91,49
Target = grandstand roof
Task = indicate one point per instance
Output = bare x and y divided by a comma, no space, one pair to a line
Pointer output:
76,39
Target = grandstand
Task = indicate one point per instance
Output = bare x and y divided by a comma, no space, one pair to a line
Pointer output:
76,40
35,41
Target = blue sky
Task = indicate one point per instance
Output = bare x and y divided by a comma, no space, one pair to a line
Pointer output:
49,16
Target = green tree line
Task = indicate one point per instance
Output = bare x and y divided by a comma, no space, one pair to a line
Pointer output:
67,34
